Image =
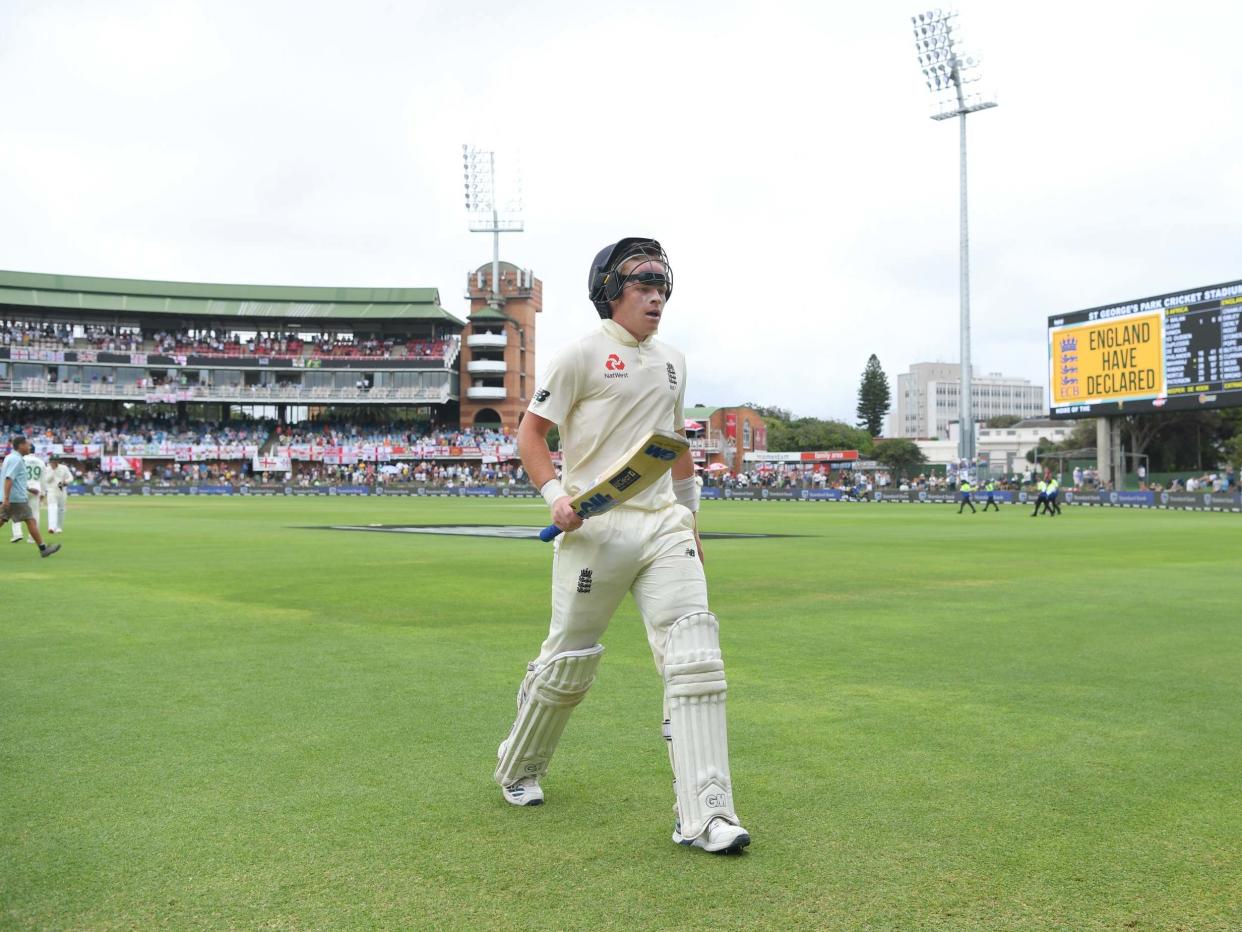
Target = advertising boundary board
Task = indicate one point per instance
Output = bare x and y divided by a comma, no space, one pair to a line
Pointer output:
293,490
1185,501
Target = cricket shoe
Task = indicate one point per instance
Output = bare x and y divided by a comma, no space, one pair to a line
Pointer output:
525,791
16,540
720,837
48,550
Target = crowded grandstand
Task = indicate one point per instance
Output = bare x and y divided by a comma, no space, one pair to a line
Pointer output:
143,344
132,337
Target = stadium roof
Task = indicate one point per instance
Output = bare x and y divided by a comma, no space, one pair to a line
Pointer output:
1037,422
698,411
487,311
284,302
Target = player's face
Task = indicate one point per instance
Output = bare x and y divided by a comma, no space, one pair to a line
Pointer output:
641,304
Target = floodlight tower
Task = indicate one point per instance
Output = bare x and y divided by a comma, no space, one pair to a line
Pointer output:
484,207
947,68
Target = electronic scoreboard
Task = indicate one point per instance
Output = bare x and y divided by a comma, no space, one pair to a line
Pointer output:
1175,351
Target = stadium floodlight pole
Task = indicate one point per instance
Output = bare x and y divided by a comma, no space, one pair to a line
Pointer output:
946,69
483,206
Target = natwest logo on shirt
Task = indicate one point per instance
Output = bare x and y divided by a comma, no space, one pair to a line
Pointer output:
615,367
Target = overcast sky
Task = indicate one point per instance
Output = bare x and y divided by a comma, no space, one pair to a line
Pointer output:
780,150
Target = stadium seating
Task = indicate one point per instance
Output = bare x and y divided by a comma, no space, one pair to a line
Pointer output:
59,427
42,334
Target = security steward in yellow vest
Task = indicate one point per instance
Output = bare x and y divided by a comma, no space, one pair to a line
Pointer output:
964,488
990,488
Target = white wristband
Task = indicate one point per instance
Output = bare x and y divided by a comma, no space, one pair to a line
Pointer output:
686,491
552,490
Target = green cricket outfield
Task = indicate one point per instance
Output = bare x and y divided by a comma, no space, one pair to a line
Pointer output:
217,716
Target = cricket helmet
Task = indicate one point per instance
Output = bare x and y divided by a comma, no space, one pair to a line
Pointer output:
605,282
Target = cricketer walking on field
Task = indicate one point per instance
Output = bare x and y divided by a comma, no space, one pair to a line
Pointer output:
56,484
606,392
35,469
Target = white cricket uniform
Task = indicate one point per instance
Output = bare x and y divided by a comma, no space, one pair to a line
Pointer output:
57,483
607,392
35,468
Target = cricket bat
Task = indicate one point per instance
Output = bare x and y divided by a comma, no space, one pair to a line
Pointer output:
633,473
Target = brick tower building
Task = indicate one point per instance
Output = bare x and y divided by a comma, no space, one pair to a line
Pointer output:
498,347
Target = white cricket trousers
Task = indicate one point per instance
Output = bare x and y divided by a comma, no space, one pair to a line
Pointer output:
55,511
649,553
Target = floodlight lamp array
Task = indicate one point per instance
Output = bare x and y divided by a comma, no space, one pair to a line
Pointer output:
480,182
946,67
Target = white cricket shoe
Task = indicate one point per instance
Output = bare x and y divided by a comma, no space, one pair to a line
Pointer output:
720,837
524,792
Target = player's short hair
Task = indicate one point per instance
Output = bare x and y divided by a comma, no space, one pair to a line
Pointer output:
629,264
16,439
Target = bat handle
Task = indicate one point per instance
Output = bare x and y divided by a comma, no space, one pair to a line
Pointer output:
549,532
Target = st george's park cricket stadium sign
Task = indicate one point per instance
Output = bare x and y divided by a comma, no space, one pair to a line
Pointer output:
1178,351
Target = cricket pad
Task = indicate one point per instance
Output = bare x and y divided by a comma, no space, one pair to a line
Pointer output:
545,701
694,689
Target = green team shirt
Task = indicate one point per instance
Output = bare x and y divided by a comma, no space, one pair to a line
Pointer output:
34,474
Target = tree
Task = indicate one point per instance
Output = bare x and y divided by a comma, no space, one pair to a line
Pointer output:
1001,421
873,397
1142,429
899,455
1082,437
813,434
780,435
1233,453
787,433
1180,439
1041,450
769,411
1231,441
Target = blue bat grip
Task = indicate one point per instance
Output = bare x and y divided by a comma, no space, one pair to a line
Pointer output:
549,532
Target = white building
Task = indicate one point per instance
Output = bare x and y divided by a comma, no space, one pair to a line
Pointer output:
928,399
1004,447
